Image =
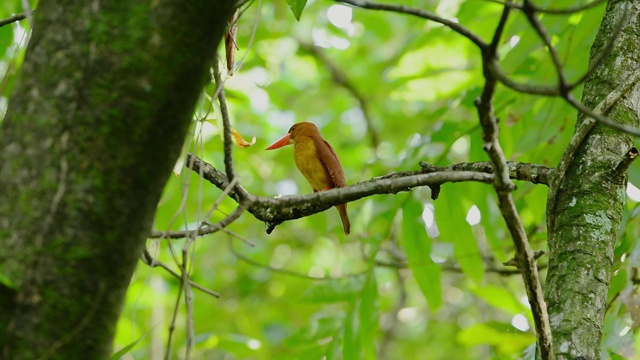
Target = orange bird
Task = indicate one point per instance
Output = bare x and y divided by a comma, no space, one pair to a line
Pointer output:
317,161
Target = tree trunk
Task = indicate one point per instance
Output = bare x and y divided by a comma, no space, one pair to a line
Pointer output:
104,101
590,199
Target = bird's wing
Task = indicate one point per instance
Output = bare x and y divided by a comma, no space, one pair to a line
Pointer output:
330,161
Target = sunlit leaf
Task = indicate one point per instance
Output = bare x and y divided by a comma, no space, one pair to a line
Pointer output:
296,7
369,316
450,217
507,339
501,298
4,280
351,342
238,140
118,354
333,290
417,246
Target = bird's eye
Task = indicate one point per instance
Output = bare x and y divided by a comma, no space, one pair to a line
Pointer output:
291,129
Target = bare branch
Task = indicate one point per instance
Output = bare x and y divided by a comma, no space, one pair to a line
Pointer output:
533,173
274,211
402,9
252,262
529,11
152,262
620,172
204,229
602,55
559,11
226,122
504,187
581,133
12,19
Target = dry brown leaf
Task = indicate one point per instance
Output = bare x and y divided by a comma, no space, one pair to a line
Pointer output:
239,140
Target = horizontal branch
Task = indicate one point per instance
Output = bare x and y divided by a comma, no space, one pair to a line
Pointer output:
403,9
148,259
533,173
274,211
12,19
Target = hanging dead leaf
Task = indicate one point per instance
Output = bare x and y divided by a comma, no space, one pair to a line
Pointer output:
239,140
230,44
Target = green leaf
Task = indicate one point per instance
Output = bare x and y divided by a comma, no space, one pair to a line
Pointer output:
117,355
351,343
296,7
417,246
450,217
504,337
4,280
501,299
369,315
335,290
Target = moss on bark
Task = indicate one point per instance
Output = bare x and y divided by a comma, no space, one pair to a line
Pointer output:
92,130
589,204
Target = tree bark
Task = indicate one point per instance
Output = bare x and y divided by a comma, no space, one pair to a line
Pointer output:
590,200
94,125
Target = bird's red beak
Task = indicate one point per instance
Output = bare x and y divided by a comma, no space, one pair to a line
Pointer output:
284,141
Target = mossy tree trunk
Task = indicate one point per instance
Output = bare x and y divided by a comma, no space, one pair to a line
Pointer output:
590,200
94,125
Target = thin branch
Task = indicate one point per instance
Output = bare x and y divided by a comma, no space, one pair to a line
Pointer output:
492,49
529,10
551,11
172,324
402,9
581,133
252,262
340,78
606,51
496,72
503,187
533,173
188,298
455,268
226,123
148,259
602,119
620,172
12,19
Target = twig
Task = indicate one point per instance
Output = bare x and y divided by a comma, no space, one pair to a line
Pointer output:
504,187
581,133
172,324
602,55
12,19
153,262
533,173
252,262
620,172
559,11
529,10
402,9
226,124
340,78
455,268
188,298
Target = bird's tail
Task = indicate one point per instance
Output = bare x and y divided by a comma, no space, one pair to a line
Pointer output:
344,216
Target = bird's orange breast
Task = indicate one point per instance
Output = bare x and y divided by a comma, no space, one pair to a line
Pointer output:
306,158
